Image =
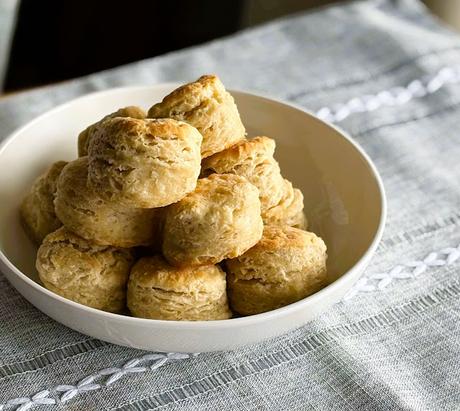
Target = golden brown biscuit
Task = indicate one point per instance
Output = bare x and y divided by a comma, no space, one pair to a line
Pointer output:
158,290
287,265
82,211
289,210
220,219
299,221
37,208
144,163
252,159
206,105
86,135
84,272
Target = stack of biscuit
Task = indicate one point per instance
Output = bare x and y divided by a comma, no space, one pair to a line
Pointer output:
174,215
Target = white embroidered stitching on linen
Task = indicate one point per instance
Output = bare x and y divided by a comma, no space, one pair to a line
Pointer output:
95,381
392,97
153,361
412,269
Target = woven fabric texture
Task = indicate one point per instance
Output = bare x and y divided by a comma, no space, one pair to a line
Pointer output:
386,72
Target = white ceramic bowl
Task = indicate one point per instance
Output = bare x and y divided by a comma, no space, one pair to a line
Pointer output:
344,200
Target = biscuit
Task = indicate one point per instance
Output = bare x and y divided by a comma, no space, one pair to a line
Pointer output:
86,135
299,221
289,210
82,211
220,219
160,291
287,265
37,208
144,163
252,159
206,105
84,272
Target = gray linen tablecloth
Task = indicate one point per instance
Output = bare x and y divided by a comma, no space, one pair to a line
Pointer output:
389,74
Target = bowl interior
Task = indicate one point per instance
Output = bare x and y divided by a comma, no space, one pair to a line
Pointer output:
343,201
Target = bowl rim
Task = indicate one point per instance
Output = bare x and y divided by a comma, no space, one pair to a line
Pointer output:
213,324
